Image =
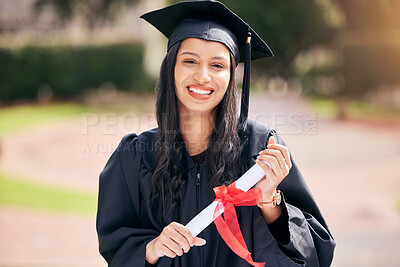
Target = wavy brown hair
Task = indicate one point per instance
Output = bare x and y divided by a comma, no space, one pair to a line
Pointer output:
224,149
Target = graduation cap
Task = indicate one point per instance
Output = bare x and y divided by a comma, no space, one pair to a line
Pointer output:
212,21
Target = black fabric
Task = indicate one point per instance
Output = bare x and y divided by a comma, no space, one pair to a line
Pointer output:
199,19
200,158
206,29
244,105
126,221
280,228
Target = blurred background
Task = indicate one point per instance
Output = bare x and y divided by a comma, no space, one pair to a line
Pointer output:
75,76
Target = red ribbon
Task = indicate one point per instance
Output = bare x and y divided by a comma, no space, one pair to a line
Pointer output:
228,228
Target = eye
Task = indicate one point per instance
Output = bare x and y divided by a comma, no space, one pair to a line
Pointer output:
218,65
189,61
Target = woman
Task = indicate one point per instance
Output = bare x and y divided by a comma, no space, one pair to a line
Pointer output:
156,182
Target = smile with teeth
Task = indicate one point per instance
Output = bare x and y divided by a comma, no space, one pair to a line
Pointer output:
200,91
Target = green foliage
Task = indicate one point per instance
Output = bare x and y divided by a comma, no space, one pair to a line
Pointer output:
324,107
14,191
370,15
94,12
330,108
288,27
64,8
366,67
70,70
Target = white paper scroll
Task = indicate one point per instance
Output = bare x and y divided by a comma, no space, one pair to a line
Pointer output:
205,217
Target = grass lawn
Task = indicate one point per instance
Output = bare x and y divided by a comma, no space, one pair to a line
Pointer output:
21,191
24,116
329,108
18,192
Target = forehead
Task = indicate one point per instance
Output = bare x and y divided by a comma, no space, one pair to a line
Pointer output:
204,48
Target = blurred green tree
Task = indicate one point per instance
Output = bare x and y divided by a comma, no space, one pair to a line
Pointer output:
370,43
95,12
288,27
371,15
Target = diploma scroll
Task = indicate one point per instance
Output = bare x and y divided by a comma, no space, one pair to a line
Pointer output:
205,217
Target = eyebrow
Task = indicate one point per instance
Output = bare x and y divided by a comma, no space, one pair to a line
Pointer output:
196,55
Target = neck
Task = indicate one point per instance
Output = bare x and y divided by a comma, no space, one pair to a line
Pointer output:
196,129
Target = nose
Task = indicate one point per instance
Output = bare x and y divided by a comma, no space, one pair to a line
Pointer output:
202,75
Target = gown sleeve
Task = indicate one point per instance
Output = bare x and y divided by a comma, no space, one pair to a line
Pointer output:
122,239
311,242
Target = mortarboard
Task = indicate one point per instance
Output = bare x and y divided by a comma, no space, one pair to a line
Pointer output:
212,21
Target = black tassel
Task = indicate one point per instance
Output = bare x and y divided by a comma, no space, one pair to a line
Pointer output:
244,107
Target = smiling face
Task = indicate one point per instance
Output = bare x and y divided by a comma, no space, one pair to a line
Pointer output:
202,74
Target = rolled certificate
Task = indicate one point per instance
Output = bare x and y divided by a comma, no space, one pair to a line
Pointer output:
205,217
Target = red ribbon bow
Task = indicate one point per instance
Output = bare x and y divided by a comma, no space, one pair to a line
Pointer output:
228,198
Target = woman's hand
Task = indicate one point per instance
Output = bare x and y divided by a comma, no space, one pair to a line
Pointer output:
174,240
279,158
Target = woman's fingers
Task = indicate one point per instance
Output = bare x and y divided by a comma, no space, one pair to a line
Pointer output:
269,183
268,171
279,159
281,169
270,180
168,252
271,140
175,239
273,152
181,235
198,241
166,246
283,150
159,247
283,163
184,237
274,163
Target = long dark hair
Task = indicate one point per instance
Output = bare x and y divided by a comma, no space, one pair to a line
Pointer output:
169,183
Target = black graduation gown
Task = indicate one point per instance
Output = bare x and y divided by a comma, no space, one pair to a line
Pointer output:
126,222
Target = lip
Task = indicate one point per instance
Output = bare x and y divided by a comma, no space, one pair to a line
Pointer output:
199,96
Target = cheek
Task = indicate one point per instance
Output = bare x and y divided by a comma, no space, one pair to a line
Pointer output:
180,75
224,81
176,75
